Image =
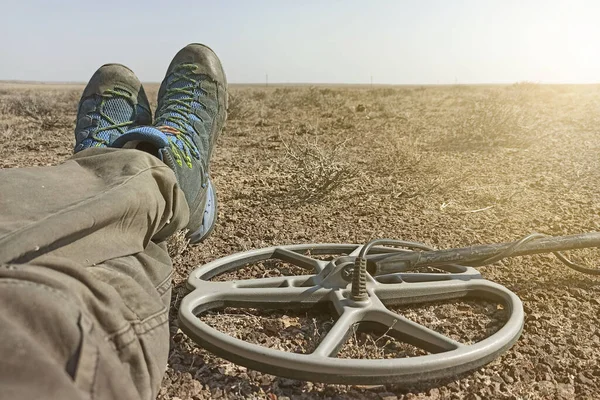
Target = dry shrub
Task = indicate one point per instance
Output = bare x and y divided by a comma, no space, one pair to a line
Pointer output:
259,95
48,110
403,171
384,92
237,106
312,172
177,243
285,99
506,118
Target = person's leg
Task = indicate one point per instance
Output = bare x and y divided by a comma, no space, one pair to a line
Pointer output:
84,275
101,204
85,282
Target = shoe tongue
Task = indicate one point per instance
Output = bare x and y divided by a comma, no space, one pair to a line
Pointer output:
175,82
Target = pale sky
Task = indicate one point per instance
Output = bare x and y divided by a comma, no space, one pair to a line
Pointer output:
395,41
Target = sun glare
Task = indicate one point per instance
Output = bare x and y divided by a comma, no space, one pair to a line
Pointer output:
561,44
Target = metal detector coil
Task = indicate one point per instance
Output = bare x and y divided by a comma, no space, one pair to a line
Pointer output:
330,282
360,283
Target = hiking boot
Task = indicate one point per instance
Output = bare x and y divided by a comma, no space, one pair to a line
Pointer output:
112,102
192,104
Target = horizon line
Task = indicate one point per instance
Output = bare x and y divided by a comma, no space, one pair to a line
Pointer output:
273,84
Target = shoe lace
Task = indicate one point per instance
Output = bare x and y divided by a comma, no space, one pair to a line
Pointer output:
122,127
175,109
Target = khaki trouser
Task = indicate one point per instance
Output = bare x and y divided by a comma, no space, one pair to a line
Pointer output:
85,278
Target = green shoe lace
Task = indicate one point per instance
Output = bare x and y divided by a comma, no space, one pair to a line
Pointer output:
177,114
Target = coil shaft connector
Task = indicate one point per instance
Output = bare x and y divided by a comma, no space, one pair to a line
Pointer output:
359,280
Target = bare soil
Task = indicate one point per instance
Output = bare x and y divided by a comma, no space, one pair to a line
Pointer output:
447,166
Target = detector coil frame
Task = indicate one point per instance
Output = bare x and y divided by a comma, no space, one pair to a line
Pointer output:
329,282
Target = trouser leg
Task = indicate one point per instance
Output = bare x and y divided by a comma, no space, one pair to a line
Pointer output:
85,283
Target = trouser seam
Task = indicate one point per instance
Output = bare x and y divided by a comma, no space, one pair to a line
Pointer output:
165,282
164,285
159,286
132,330
120,346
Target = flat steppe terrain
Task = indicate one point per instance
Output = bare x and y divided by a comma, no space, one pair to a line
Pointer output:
448,166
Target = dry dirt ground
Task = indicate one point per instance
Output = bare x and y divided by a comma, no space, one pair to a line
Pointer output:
447,166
